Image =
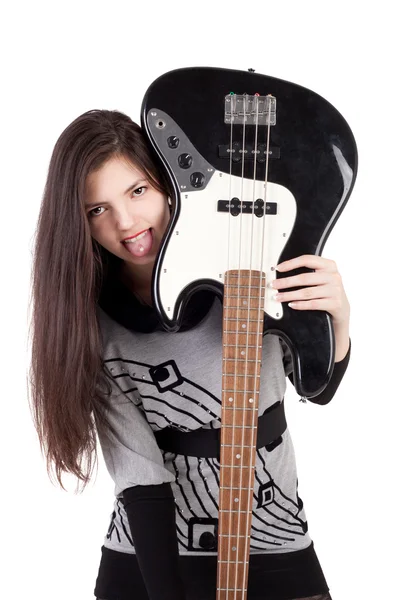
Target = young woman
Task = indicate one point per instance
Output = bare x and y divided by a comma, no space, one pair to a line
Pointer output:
103,365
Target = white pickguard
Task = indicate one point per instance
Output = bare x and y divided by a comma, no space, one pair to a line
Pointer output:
206,243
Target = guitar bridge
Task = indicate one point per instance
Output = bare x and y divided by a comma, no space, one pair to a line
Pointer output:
252,110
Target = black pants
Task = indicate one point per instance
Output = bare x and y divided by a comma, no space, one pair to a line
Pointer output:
319,597
288,576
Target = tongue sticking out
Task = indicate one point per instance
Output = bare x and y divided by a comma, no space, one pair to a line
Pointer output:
141,247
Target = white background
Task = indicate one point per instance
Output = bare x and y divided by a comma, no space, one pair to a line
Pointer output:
62,59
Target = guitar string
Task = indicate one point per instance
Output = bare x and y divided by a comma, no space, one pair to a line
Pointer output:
259,321
220,584
234,393
268,133
246,393
238,300
229,540
242,392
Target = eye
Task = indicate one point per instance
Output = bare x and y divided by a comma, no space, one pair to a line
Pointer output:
91,212
140,191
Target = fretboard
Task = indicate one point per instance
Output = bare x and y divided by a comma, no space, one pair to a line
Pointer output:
243,317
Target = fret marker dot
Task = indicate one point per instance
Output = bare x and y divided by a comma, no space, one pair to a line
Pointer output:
237,455
242,353
234,548
243,326
251,400
236,499
230,399
244,301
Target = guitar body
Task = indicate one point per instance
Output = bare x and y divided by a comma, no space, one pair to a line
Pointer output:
297,173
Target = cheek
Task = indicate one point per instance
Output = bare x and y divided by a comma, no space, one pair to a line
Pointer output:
167,216
99,234
162,213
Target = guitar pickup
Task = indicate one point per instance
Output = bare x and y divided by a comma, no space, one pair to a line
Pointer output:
259,208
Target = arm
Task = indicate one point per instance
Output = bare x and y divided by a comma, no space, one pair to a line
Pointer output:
337,376
326,293
136,465
151,516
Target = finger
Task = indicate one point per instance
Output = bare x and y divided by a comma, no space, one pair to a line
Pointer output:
304,279
310,293
326,304
307,260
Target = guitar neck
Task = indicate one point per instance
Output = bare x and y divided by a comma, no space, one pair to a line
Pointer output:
243,318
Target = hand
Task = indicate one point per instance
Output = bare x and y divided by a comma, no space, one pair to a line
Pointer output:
324,291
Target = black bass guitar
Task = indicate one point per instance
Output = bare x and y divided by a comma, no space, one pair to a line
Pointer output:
260,169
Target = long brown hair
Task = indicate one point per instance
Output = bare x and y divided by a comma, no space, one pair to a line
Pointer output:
66,376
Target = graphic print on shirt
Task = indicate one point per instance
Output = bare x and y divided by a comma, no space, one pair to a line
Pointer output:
169,399
276,522
119,525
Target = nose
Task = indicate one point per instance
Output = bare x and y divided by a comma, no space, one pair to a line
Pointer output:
125,219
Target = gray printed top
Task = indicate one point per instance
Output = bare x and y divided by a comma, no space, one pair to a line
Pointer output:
189,397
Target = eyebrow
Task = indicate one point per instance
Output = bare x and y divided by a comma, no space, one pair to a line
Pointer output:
129,189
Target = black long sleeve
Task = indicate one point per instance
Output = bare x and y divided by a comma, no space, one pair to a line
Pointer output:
151,516
337,376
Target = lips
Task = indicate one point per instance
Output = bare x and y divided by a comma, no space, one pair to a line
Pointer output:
134,236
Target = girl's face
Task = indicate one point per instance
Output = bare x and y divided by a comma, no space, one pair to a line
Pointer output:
121,203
